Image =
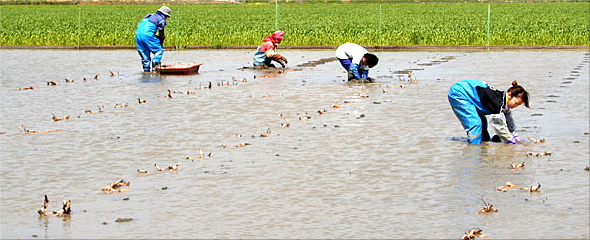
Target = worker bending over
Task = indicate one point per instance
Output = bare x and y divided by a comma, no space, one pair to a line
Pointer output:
357,61
146,40
471,100
265,53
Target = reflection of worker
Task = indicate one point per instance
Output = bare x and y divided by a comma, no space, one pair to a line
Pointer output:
146,40
265,53
471,100
356,60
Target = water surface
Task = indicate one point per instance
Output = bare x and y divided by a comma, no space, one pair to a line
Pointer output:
393,165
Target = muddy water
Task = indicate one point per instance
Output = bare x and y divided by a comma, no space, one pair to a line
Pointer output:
393,165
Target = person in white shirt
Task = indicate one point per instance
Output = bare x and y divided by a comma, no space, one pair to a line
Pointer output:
357,61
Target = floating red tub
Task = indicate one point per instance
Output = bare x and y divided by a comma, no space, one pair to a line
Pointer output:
179,68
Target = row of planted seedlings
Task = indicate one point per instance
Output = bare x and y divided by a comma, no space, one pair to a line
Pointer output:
532,188
117,186
122,185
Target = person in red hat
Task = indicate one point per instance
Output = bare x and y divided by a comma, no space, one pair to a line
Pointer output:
265,53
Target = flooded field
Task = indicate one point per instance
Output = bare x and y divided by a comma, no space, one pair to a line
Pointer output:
382,160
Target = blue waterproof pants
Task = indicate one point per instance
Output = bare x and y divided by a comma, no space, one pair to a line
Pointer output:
345,63
472,120
147,43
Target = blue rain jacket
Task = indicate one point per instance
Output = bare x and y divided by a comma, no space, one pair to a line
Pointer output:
467,107
146,41
465,99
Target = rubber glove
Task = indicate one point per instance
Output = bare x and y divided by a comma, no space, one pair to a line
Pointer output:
516,137
514,140
365,74
284,59
280,59
355,70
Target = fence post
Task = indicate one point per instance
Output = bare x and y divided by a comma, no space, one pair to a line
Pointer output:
177,31
79,25
380,23
488,39
276,15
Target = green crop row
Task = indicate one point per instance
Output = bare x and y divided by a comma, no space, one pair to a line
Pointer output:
518,24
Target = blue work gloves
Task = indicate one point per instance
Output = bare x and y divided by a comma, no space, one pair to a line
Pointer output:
365,74
355,70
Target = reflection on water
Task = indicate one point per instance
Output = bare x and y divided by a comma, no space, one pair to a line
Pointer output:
380,166
150,77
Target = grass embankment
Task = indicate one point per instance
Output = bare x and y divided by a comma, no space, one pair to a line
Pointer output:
512,24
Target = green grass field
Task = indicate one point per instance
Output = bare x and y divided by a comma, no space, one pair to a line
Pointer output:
512,24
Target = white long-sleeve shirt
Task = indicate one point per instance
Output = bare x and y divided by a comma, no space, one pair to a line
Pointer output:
352,51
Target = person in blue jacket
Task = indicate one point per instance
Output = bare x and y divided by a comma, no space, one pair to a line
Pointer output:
357,61
472,100
146,40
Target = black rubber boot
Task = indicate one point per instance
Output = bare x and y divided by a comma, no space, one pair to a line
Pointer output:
156,66
351,76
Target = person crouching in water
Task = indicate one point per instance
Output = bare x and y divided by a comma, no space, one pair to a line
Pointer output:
357,61
471,100
146,40
265,53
